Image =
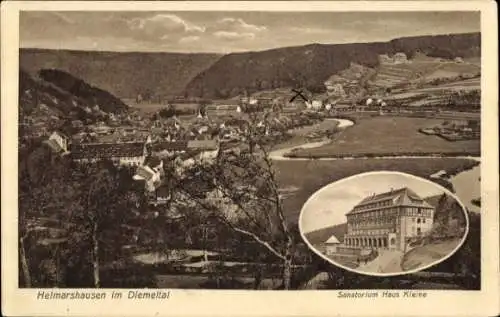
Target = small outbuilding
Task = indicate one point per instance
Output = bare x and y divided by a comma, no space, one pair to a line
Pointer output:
331,245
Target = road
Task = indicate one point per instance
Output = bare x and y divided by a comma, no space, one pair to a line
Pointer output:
388,261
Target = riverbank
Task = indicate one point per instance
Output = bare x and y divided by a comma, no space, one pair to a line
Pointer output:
368,155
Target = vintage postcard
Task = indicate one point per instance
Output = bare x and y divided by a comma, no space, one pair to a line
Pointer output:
250,158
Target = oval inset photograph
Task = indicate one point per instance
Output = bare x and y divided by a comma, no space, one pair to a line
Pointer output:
384,223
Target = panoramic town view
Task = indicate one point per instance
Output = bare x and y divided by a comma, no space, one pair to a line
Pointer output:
177,149
384,223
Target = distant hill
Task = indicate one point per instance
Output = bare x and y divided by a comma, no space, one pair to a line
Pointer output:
92,96
321,235
311,65
55,97
123,74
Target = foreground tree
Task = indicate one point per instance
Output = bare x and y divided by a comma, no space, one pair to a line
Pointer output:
240,190
45,196
109,204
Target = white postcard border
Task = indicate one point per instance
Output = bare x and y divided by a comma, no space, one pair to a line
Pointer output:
23,302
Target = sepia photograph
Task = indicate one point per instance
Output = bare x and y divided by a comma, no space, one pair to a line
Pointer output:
176,148
384,223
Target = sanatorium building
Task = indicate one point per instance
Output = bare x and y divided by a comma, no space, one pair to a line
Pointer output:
388,220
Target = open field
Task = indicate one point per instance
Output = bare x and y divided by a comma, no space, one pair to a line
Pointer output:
389,136
309,176
425,255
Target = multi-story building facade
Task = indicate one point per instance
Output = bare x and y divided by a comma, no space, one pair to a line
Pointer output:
121,154
388,220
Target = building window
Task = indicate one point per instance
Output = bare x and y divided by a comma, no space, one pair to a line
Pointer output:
418,220
423,220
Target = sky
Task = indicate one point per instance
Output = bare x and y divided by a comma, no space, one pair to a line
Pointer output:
328,206
225,32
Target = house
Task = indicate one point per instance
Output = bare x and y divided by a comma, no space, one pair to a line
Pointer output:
77,124
388,220
161,195
58,142
316,104
151,171
101,130
331,245
400,58
384,59
206,149
335,89
121,154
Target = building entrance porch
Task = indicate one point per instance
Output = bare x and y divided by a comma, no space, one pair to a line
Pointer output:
369,241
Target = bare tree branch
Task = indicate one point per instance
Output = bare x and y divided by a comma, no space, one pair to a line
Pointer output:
245,232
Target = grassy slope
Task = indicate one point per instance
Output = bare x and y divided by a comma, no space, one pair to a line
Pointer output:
384,135
310,176
425,255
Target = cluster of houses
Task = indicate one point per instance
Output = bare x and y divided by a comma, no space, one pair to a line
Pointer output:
146,157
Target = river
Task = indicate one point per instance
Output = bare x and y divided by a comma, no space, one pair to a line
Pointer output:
466,183
467,186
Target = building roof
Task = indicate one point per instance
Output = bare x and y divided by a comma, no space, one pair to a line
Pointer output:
54,146
399,197
203,144
332,240
61,133
144,172
107,150
171,146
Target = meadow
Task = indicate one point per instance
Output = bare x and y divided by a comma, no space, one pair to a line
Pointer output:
386,135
